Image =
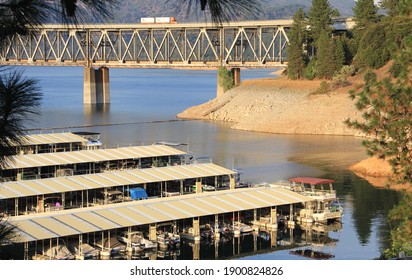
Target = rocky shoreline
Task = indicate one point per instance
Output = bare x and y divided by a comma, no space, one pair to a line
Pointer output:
279,105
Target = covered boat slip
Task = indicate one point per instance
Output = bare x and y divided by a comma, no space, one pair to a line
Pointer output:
76,222
78,191
325,206
89,161
54,142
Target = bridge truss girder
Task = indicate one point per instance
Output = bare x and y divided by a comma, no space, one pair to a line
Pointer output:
140,46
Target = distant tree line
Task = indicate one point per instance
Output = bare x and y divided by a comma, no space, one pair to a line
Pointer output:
317,51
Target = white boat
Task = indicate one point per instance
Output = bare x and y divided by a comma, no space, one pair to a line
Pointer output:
208,188
85,250
174,240
331,211
163,241
242,228
112,245
131,239
205,188
206,232
59,252
146,244
136,240
325,206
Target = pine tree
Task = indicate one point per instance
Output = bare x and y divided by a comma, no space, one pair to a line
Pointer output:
325,63
397,7
388,114
365,14
335,13
297,37
319,18
340,56
401,228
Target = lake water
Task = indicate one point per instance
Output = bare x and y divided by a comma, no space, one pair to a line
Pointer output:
144,103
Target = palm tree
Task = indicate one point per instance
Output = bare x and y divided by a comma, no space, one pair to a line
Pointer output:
16,16
6,232
222,10
19,102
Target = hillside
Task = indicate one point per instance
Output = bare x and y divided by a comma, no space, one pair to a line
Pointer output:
130,11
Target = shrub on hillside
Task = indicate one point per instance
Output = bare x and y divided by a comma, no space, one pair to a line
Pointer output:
340,79
226,78
324,88
310,71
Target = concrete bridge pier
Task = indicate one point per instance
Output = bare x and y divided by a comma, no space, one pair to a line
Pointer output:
96,86
236,76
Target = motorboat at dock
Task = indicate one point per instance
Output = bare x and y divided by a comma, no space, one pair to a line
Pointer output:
241,228
168,240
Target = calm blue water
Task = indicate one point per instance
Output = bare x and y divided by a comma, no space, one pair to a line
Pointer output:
141,97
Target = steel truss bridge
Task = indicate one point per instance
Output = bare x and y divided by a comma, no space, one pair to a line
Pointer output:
239,44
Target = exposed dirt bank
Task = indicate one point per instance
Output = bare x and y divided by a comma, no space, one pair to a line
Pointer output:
280,105
377,172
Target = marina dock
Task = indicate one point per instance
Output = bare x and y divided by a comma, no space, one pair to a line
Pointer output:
151,190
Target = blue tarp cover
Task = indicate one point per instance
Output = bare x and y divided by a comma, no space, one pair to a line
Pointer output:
138,193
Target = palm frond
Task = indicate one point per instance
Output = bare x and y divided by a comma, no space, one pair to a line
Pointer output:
6,231
83,11
222,10
16,16
19,103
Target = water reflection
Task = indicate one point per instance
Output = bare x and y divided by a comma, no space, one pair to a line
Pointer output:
297,241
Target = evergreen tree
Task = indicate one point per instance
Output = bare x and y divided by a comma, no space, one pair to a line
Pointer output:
349,46
325,63
335,13
372,50
297,37
365,14
340,56
397,7
401,228
319,18
388,114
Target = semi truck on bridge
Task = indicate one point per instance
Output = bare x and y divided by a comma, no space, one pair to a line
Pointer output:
162,20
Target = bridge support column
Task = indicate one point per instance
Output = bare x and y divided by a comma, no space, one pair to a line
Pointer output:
236,80
220,90
236,76
96,86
